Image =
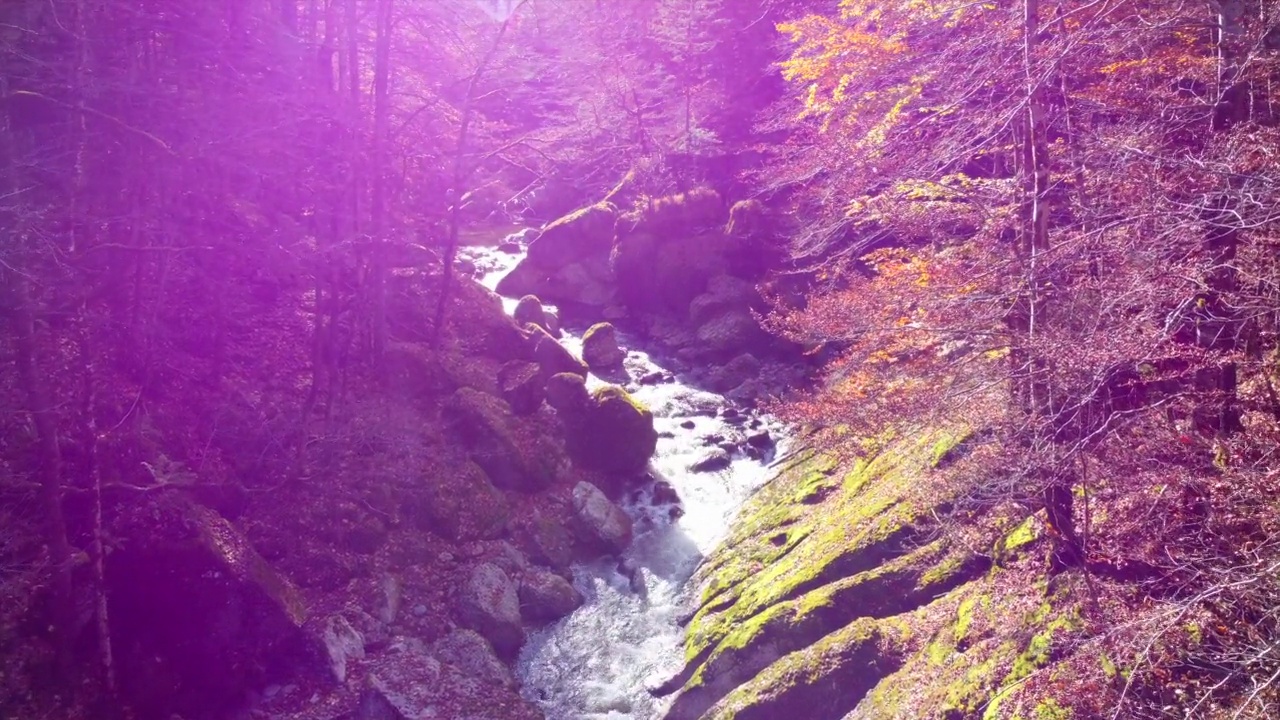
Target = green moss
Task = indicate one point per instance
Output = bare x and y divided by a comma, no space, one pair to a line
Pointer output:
964,617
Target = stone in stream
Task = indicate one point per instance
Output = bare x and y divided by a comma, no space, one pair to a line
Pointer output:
603,524
609,432
760,440
715,460
600,347
688,425
553,357
547,596
529,310
511,248
488,603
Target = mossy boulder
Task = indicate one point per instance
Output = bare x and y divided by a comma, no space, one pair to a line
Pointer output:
662,274
580,235
463,507
756,238
600,347
484,424
529,311
610,432
522,386
200,608
687,212
567,393
551,356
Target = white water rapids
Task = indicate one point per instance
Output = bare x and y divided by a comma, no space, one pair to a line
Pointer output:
597,663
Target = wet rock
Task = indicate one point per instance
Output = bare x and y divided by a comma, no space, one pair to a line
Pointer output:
553,357
611,432
688,425
547,596
600,347
521,385
604,524
488,604
199,605
342,644
529,311
635,576
664,493
469,652
652,378
465,266
509,247
761,440
713,461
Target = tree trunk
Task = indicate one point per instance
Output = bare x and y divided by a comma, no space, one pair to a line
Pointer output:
378,200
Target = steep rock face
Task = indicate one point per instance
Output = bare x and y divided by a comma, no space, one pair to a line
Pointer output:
205,615
823,590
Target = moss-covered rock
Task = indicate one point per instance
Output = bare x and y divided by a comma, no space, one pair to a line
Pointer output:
201,607
529,311
611,432
485,425
685,212
522,386
463,507
553,357
567,393
600,347
582,234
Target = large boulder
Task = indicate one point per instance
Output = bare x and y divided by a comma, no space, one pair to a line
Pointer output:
489,604
529,311
462,507
544,540
522,386
569,261
484,425
410,684
468,651
725,293
603,525
196,612
600,347
581,235
547,596
609,432
553,357
730,334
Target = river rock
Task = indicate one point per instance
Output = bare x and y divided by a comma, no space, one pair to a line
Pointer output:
488,604
611,432
664,493
468,651
547,596
553,357
198,604
529,311
567,392
463,507
714,460
483,423
600,347
544,541
509,247
343,644
604,524
522,386
734,373
585,233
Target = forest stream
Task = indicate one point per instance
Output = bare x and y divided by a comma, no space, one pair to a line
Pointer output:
598,662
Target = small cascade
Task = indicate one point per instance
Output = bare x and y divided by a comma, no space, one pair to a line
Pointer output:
599,662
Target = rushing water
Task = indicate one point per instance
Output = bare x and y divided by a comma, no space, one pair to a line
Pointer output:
598,662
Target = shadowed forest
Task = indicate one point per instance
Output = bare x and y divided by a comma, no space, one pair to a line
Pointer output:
354,348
